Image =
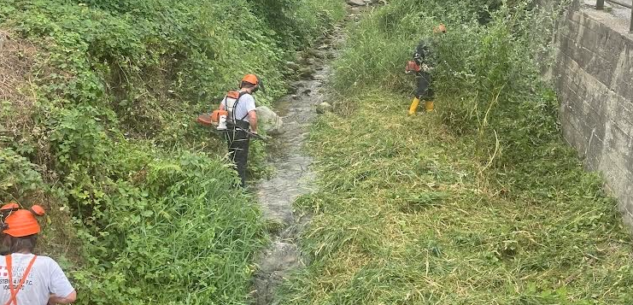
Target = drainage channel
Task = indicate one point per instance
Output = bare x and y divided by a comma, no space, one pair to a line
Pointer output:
292,175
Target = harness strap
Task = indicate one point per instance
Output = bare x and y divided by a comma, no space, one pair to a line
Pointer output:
233,112
16,290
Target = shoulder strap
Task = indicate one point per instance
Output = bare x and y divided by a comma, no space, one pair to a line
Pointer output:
233,111
234,95
246,115
14,291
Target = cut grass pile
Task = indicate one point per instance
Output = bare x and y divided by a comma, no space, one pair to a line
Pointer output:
405,215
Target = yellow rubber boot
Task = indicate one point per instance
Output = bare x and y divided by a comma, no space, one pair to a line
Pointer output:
428,106
414,106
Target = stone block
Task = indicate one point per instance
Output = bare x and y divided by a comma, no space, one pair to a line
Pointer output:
622,80
590,38
573,135
613,44
616,175
622,113
577,16
593,76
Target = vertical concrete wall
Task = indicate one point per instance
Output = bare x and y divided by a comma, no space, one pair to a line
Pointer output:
594,79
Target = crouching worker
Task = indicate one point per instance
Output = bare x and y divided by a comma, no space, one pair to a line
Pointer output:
28,279
424,60
241,122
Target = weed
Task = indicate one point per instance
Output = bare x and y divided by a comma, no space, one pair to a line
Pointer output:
479,203
411,221
108,139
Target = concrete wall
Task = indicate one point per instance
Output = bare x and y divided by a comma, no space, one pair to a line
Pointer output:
594,79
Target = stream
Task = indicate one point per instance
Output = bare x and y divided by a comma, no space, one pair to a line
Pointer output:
292,176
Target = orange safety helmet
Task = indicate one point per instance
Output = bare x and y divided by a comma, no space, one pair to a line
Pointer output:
254,79
441,28
19,222
251,78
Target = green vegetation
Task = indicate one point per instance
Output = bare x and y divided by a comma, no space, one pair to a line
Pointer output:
97,110
481,202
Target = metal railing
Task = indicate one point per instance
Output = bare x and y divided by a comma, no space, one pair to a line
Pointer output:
600,6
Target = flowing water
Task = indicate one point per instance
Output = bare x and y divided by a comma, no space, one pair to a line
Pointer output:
292,176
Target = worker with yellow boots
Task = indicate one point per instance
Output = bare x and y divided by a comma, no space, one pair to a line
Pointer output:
423,62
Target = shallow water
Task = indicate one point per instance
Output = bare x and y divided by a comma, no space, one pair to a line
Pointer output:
292,176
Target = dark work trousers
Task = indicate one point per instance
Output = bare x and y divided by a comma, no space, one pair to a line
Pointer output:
237,141
424,90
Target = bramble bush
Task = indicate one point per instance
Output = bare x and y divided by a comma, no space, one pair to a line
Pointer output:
118,85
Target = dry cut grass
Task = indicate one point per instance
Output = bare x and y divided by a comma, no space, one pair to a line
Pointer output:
404,216
16,94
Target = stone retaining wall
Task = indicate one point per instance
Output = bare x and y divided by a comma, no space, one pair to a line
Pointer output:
594,80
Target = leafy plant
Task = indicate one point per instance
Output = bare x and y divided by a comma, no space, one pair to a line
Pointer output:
147,192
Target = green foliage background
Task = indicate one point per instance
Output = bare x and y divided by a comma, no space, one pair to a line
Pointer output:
114,149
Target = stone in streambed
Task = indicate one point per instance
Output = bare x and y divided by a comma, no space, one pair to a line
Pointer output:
320,55
293,88
293,65
323,108
307,73
356,2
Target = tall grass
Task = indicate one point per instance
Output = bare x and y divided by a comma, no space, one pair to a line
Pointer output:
145,211
481,202
488,73
404,216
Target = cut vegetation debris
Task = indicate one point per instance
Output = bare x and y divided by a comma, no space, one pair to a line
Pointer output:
481,202
403,217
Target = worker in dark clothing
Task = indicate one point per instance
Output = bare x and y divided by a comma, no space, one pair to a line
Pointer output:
241,122
424,60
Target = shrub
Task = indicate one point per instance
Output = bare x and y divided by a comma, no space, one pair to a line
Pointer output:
117,85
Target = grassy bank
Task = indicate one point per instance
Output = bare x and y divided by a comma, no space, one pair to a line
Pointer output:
405,216
98,101
481,202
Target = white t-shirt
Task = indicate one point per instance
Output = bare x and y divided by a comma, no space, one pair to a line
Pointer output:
44,279
245,105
